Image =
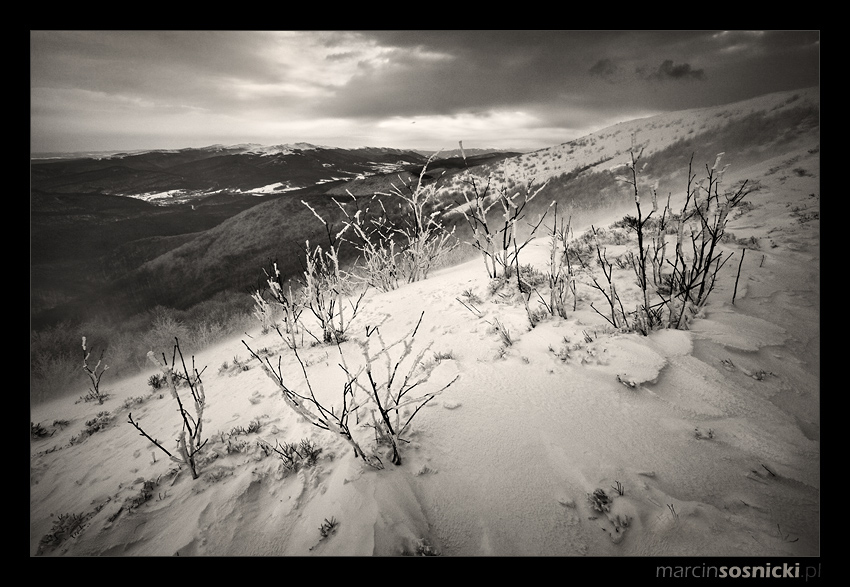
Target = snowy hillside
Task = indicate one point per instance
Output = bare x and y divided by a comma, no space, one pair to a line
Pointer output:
567,439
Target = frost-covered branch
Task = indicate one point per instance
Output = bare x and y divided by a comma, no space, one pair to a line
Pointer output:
94,375
190,440
311,409
391,391
498,241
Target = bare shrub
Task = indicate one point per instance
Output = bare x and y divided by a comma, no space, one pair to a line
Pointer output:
308,406
190,441
704,217
560,275
668,296
289,304
165,326
391,393
406,248
204,333
498,241
616,315
95,394
262,311
646,317
426,238
381,259
325,286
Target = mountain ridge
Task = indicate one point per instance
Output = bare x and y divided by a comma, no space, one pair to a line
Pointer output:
198,172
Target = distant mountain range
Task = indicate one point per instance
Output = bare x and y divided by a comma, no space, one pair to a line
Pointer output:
247,148
169,176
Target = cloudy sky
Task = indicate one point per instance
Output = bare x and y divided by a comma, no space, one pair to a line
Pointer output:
124,90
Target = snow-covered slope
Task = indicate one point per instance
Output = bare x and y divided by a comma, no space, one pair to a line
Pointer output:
713,434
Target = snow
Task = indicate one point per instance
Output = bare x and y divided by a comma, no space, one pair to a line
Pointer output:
167,196
713,432
272,188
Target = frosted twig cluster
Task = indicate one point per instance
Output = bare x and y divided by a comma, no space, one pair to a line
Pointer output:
382,261
426,238
673,289
498,240
289,303
190,440
308,406
326,285
390,390
263,311
94,375
389,393
406,247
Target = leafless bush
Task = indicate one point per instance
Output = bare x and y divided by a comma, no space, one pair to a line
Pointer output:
406,250
288,303
382,261
646,317
704,217
391,393
166,325
95,394
499,246
702,220
560,275
263,311
426,238
190,440
307,405
616,315
325,286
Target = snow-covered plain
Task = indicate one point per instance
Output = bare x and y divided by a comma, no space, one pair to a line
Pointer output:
712,433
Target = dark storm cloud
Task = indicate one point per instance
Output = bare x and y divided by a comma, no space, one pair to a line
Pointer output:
670,71
504,69
343,56
444,72
608,70
604,68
